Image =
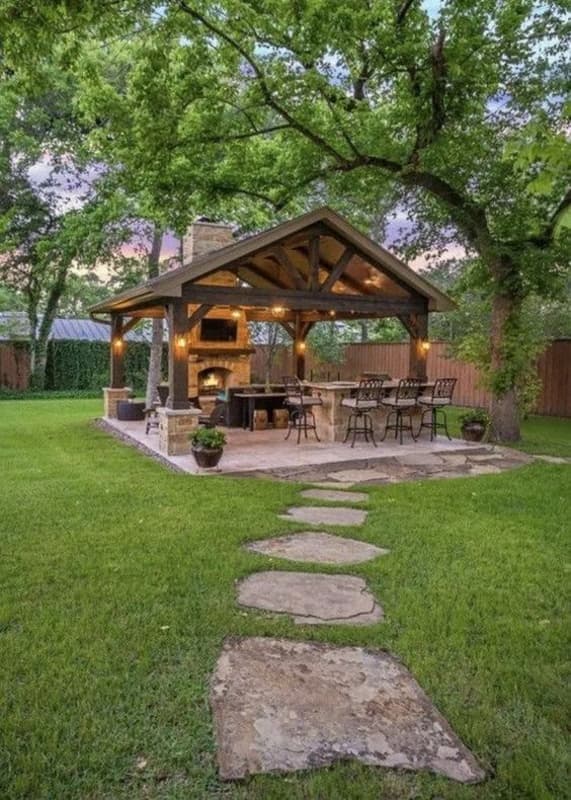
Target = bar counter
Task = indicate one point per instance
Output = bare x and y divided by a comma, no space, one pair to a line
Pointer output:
331,418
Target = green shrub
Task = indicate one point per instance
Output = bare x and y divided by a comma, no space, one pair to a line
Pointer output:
208,438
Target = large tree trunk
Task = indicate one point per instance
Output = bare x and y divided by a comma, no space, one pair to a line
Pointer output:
156,352
38,361
504,405
155,362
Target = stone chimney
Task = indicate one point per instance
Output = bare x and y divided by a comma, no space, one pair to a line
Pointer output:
203,236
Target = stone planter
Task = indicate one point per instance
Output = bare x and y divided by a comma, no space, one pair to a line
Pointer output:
473,431
207,458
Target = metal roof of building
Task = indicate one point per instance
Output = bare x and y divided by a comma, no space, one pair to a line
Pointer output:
14,326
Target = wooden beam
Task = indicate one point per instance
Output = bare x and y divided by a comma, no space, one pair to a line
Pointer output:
313,277
299,300
270,281
288,329
117,368
177,324
337,269
284,261
197,316
127,326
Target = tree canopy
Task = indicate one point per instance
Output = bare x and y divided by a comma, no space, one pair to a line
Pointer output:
251,109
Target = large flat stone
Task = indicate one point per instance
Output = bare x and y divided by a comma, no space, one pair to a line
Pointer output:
335,496
281,706
484,469
318,548
552,459
359,475
336,485
325,515
311,598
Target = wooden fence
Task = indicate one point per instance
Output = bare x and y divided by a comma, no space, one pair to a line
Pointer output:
554,370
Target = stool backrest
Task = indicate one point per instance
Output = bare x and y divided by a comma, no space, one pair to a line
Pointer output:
408,388
369,389
292,386
443,388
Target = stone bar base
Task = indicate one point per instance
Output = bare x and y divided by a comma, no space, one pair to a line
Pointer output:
111,397
174,427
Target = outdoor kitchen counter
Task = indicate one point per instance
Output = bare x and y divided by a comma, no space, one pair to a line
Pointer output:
331,418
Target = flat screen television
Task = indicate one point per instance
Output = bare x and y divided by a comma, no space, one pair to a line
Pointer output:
218,330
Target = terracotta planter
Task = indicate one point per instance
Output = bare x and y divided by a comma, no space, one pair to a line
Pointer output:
473,431
207,458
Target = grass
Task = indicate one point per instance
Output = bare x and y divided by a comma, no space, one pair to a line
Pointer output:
117,592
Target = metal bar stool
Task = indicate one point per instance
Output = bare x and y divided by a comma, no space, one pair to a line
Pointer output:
434,403
366,399
301,416
402,405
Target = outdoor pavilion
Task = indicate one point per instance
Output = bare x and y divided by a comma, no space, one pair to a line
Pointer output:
312,268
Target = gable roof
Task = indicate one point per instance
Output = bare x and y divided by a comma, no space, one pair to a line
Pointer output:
261,259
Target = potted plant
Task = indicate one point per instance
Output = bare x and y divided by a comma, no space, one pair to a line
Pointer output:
474,424
207,445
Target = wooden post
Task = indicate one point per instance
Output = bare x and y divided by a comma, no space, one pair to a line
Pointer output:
117,352
418,353
299,348
177,321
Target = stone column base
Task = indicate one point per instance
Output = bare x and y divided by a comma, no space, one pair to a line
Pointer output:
111,397
174,427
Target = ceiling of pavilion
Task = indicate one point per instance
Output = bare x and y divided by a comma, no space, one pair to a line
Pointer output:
319,253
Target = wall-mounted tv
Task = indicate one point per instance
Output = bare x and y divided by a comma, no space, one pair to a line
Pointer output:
218,330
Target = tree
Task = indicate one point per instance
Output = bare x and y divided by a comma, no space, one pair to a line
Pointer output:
272,336
458,115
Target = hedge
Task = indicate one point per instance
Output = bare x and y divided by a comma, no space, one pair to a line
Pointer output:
78,365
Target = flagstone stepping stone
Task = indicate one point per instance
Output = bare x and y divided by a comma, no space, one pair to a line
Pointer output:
359,475
311,598
484,469
317,548
485,456
335,496
336,485
281,706
454,460
552,459
325,515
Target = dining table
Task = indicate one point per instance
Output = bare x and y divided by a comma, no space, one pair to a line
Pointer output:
331,417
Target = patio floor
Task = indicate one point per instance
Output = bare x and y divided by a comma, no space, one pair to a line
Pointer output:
266,452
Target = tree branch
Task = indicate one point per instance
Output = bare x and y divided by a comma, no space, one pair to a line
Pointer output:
261,78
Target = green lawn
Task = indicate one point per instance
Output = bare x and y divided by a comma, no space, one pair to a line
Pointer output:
117,592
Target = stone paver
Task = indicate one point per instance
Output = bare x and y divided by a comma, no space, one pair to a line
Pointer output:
311,598
317,548
485,456
325,515
553,459
485,469
332,485
420,460
359,475
454,460
281,706
334,496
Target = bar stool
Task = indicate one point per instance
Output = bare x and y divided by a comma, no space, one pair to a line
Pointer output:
301,416
402,405
366,399
434,403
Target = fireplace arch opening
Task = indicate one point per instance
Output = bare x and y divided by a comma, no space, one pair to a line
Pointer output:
212,380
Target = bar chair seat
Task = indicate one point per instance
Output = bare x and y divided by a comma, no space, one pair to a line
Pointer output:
300,405
434,404
401,406
366,399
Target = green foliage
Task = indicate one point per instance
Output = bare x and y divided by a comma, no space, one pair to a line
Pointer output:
479,415
208,438
328,342
80,365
